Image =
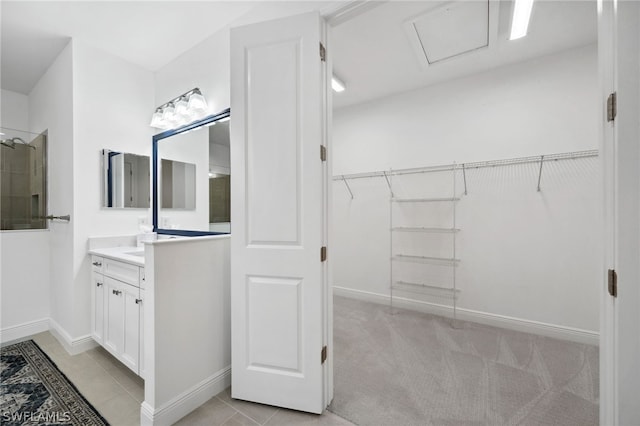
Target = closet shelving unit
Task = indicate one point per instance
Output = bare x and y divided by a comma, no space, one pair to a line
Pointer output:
452,261
424,286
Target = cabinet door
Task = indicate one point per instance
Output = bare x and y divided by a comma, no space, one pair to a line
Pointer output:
131,321
98,303
114,316
141,363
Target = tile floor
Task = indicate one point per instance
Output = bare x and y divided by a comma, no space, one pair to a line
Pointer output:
116,392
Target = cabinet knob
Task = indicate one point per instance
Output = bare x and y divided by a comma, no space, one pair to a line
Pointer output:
138,301
98,284
116,292
97,263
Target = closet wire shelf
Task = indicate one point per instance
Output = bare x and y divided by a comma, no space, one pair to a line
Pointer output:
424,259
423,200
420,288
409,286
421,229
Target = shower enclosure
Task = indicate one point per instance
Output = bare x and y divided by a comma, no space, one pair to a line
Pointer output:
23,180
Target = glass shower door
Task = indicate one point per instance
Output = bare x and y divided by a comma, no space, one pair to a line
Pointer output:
23,180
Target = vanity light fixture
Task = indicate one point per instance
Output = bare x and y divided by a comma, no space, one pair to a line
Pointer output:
182,110
336,84
521,17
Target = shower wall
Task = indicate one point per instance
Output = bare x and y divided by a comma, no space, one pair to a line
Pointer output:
23,174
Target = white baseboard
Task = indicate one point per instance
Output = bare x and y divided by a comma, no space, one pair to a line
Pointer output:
23,331
503,321
72,346
187,401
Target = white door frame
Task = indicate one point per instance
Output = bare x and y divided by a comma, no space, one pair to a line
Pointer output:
608,38
618,58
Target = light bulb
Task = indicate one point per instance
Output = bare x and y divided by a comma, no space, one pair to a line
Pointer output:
182,109
169,114
156,119
197,103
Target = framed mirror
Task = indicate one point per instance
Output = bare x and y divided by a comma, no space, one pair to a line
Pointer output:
191,178
125,180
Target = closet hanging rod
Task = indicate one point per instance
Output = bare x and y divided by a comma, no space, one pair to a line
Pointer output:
476,165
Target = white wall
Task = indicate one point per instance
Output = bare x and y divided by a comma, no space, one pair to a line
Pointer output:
24,255
528,255
219,156
187,325
112,105
51,110
15,110
543,106
192,148
88,100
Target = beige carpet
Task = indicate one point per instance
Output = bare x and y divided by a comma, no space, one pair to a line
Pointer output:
412,368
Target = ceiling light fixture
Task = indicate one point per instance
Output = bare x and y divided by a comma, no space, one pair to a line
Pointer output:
180,111
337,85
521,17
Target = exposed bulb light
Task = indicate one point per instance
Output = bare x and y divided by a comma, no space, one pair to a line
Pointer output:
521,16
197,102
169,114
180,111
337,85
156,119
182,108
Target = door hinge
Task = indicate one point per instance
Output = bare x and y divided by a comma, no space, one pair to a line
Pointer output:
612,106
612,282
323,254
323,153
323,355
323,53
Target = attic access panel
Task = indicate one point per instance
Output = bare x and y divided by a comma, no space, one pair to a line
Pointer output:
449,31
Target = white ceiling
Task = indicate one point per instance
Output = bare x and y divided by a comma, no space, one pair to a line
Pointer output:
372,51
147,33
373,54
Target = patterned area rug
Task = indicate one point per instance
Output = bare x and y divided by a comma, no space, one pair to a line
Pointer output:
412,368
34,392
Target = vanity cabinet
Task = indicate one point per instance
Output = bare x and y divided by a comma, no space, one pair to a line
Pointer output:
118,292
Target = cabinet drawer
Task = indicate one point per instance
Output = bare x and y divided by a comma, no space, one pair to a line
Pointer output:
97,263
122,271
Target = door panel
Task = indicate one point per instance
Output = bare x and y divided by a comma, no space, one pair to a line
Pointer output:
274,215
114,326
278,282
97,323
131,338
281,352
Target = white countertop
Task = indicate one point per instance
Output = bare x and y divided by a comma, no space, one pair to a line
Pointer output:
133,255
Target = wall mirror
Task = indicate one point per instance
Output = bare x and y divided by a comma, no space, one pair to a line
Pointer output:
178,184
125,180
191,178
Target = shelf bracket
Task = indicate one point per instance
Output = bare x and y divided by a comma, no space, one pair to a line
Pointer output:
540,172
347,185
388,183
464,178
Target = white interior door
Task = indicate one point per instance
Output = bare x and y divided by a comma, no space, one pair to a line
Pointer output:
619,56
278,210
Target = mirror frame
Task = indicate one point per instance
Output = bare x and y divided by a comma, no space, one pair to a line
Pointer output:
155,166
105,170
